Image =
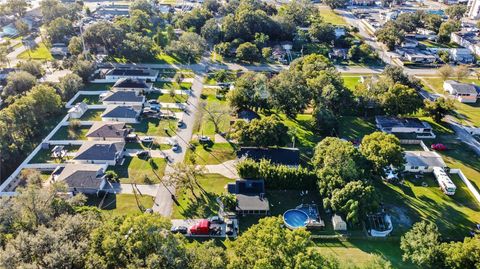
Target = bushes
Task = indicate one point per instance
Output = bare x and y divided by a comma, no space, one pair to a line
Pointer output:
278,176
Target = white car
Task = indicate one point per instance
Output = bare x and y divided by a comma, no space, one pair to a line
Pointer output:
175,148
203,138
147,139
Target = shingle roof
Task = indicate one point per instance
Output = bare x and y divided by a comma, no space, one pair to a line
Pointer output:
82,175
462,88
131,83
389,122
107,129
120,112
124,96
132,72
252,202
424,158
286,156
99,150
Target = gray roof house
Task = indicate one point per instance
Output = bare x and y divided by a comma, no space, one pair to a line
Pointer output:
83,178
422,161
463,92
99,152
138,73
130,98
250,196
131,84
126,114
412,126
112,131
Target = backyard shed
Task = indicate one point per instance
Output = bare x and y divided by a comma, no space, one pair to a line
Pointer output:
338,223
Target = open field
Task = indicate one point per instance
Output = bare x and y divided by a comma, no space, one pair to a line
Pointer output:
140,171
154,127
213,153
41,52
205,204
205,127
121,204
330,16
466,113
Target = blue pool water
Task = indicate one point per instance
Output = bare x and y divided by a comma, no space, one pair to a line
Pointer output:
295,218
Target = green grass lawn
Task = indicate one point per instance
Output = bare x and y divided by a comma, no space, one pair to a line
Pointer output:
433,44
466,113
154,127
205,204
167,98
97,87
206,127
88,99
92,115
351,81
357,253
44,155
214,153
140,171
165,58
121,204
173,85
41,52
355,127
63,134
145,146
330,16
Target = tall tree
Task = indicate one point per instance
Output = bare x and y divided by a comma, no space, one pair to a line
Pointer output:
382,150
421,245
69,85
189,46
401,100
289,93
439,108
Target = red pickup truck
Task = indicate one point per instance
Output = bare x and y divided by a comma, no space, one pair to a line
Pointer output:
201,228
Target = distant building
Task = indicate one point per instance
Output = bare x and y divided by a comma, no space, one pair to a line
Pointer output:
467,39
423,161
461,55
463,92
59,49
115,74
395,125
417,56
473,9
250,196
77,110
362,2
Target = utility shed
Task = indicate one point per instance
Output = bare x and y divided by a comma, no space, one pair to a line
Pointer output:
338,223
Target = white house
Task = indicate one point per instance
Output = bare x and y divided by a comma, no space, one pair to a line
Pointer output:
462,55
77,110
125,114
463,92
148,75
390,124
126,98
81,178
423,161
99,152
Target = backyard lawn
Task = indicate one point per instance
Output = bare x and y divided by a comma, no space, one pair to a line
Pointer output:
354,128
466,113
41,52
215,153
44,155
154,127
351,81
173,85
140,171
205,205
121,204
330,16
97,87
92,115
167,98
63,133
88,99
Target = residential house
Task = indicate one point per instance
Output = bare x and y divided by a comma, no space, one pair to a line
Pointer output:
59,49
340,32
467,39
463,92
284,156
362,2
423,161
340,54
126,98
100,152
409,43
107,131
250,196
81,178
395,125
77,110
462,55
148,75
121,113
131,84
417,56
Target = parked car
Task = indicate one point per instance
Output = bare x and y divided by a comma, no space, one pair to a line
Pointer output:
229,228
203,138
154,107
201,228
439,147
179,229
180,123
215,220
147,139
131,138
153,102
143,153
175,147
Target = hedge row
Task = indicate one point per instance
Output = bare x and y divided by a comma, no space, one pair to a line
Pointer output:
278,176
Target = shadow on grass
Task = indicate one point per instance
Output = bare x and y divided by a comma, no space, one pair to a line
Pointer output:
203,207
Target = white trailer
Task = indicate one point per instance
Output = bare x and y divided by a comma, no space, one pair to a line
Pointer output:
447,185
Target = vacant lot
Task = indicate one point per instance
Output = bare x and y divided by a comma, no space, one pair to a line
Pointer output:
121,204
212,103
41,52
331,16
154,127
168,98
211,153
140,171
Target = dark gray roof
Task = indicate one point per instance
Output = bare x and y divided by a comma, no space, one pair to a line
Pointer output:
286,156
462,88
247,186
124,96
99,150
389,122
120,112
132,72
107,129
89,176
252,202
131,83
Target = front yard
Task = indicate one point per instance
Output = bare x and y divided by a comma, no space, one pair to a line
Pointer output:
210,101
140,171
121,204
216,153
154,127
173,85
205,205
168,98
41,52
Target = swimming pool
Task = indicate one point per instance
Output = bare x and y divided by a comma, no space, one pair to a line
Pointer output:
295,218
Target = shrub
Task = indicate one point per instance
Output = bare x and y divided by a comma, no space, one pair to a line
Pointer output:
278,176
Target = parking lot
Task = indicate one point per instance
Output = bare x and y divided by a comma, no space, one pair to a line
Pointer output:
191,222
